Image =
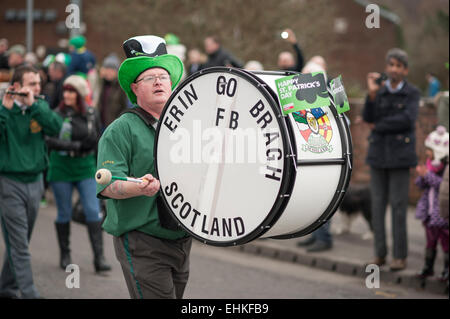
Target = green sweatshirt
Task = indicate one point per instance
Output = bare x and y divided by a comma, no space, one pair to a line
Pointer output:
126,149
23,153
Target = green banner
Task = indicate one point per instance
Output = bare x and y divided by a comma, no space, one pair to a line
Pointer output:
302,91
339,95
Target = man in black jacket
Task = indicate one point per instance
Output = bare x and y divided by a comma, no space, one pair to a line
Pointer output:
391,110
217,55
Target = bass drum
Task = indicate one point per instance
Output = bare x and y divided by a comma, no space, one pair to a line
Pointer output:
233,168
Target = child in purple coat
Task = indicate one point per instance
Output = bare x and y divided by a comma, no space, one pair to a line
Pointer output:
429,179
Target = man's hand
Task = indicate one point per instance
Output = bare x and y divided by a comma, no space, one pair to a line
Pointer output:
8,100
421,170
372,86
291,36
150,186
29,99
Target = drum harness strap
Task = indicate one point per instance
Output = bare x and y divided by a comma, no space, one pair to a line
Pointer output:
144,115
165,218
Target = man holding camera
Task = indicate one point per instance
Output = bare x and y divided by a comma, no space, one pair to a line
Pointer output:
391,109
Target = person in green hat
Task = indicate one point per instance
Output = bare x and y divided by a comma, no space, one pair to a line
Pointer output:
81,59
152,250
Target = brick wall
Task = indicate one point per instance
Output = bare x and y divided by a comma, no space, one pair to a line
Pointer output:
426,122
44,31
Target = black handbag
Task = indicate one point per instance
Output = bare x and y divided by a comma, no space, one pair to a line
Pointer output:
78,215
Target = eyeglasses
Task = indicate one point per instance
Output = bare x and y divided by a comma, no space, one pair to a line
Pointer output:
152,78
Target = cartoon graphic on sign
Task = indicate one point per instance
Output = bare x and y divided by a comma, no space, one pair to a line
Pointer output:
311,87
315,127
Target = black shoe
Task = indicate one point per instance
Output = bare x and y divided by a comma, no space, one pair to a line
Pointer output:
96,237
307,242
319,246
65,261
101,265
427,271
444,274
63,233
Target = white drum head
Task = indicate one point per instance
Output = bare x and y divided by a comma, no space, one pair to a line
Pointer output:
222,157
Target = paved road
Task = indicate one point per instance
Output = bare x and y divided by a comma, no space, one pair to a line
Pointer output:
216,273
221,273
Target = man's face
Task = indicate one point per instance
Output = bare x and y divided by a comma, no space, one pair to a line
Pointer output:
108,74
210,45
3,47
33,81
15,59
285,60
152,93
396,70
194,56
54,73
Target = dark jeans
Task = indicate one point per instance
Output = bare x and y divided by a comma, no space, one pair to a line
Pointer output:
390,186
63,196
323,233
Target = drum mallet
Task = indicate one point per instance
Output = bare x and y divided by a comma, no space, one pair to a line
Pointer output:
103,177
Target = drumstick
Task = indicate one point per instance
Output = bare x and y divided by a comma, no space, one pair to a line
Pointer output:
103,177
40,96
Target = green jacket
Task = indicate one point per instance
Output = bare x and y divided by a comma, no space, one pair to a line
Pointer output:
126,149
23,153
71,162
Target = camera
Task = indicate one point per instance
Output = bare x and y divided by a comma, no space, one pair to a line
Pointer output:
383,77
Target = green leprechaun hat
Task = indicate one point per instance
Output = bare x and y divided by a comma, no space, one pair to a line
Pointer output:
143,53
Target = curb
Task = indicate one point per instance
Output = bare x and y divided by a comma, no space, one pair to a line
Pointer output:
345,267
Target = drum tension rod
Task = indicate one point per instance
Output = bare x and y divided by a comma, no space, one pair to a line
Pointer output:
349,160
